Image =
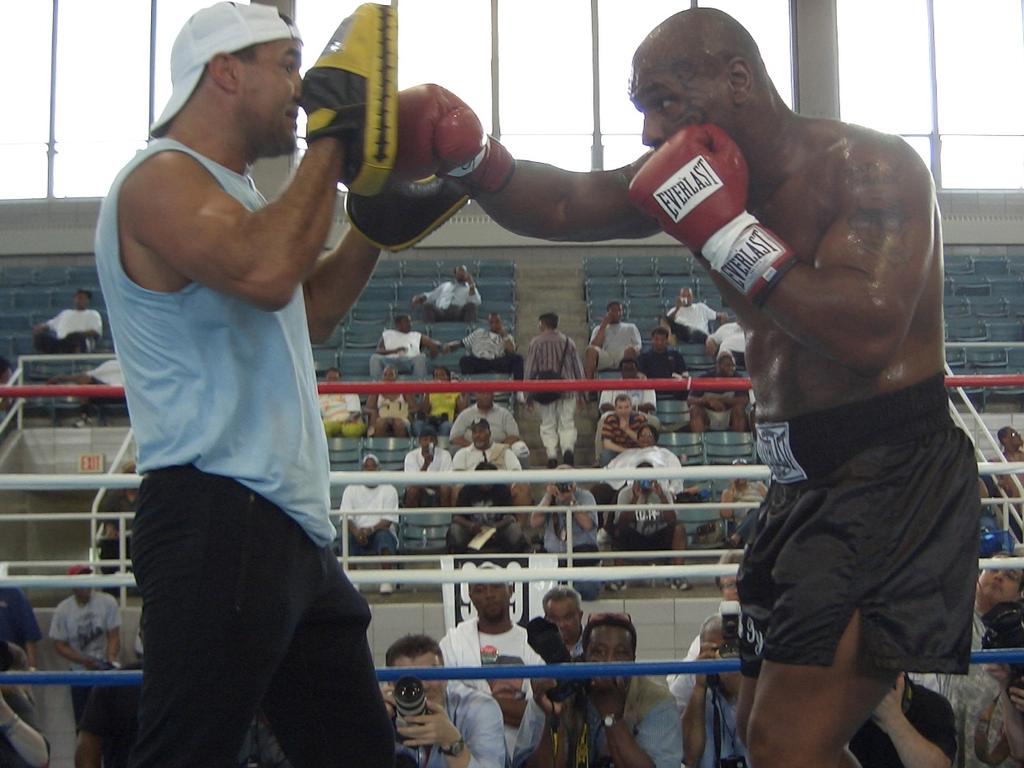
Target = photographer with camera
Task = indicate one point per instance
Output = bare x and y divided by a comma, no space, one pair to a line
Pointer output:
1004,628
21,743
559,498
439,723
709,721
628,722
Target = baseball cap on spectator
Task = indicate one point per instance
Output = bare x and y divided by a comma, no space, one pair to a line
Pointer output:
221,28
481,423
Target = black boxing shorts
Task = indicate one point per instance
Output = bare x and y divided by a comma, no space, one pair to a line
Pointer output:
874,507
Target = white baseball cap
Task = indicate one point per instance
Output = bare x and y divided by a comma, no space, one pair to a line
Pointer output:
221,28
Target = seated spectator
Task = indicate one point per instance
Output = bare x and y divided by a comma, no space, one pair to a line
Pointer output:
618,429
1013,449
456,299
504,428
110,723
912,726
660,362
720,410
492,637
642,529
389,412
370,531
643,400
22,744
709,720
728,338
622,721
484,449
109,537
563,608
342,413
559,498
647,450
438,409
462,725
691,321
70,331
428,458
741,489
505,533
402,348
18,623
108,373
611,342
491,350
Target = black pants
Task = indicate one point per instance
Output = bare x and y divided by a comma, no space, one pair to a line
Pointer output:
48,343
242,609
512,364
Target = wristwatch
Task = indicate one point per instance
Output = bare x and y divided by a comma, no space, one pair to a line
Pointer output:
455,749
610,720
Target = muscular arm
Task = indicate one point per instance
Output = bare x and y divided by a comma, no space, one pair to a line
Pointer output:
336,282
178,226
694,728
548,202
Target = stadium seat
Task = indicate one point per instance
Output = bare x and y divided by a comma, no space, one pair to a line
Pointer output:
988,306
965,329
424,534
599,266
390,450
1004,330
726,447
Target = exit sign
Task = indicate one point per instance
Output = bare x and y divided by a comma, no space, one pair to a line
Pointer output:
90,463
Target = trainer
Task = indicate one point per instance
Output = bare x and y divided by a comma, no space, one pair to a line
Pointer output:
824,239
214,296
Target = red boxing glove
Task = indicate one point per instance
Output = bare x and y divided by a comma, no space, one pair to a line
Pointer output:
695,185
439,134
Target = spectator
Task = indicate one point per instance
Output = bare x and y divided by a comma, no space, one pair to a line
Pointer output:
643,400
503,529
728,338
682,685
562,607
108,373
504,428
428,458
389,411
479,642
110,723
70,330
611,342
462,725
720,410
491,350
618,429
709,720
86,630
484,449
912,727
402,347
621,721
660,362
647,450
116,500
456,299
372,519
648,529
342,413
691,321
22,744
560,498
740,490
18,623
552,352
438,409
1013,449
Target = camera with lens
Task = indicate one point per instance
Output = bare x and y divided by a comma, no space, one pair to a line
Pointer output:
545,639
564,487
410,700
1004,628
646,485
729,610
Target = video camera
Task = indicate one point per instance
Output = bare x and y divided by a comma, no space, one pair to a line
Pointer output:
1004,628
544,638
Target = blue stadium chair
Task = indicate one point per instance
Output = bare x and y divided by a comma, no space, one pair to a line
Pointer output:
417,268
642,287
448,330
956,306
388,270
726,447
989,265
1004,330
17,277
1015,359
965,329
954,264
82,275
55,276
324,358
424,534
635,266
971,285
497,269
360,336
379,314
413,287
988,306
982,359
33,299
354,364
705,528
956,357
673,414
390,450
1006,286
345,453
675,266
600,266
497,290
378,293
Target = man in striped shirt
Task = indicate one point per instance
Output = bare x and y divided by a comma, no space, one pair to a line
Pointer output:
552,350
491,350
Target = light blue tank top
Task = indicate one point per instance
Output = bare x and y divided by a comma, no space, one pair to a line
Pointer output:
212,380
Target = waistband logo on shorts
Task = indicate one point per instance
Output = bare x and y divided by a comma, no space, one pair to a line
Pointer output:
773,449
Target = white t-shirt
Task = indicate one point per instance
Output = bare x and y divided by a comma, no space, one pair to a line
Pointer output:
499,454
696,316
75,321
338,407
618,337
452,294
441,462
360,497
407,344
109,372
730,338
503,423
85,627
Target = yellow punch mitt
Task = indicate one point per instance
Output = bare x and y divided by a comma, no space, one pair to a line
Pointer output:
406,212
350,93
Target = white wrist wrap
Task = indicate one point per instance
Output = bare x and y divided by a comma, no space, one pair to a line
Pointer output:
468,167
748,255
